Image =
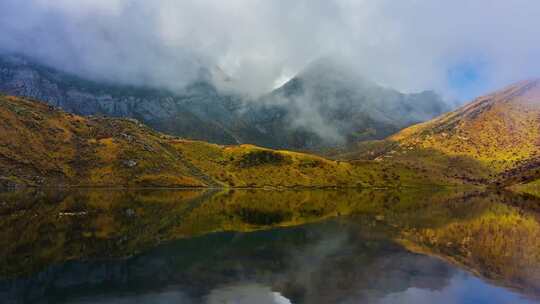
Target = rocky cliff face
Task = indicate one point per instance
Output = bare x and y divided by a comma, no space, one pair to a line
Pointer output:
199,112
322,107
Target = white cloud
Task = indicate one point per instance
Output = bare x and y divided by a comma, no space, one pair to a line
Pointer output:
409,44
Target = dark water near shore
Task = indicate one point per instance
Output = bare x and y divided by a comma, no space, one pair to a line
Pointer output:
165,246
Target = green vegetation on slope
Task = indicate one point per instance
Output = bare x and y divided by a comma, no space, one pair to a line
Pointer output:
251,166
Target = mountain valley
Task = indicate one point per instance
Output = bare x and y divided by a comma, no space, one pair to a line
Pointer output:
325,106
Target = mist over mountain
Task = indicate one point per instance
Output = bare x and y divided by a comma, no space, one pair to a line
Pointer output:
331,104
341,106
198,112
460,48
326,105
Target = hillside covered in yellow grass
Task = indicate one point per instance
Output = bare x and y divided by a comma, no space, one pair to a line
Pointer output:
43,146
493,140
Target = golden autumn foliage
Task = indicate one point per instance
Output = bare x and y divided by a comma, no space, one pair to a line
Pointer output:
41,145
491,140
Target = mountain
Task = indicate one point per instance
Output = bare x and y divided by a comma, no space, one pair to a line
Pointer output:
494,139
198,112
324,106
44,146
329,104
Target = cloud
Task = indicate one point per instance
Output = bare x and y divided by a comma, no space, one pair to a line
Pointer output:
461,288
246,293
410,45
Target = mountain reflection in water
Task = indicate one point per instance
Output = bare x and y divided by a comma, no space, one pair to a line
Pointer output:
321,246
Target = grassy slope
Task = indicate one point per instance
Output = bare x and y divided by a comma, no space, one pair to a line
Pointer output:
251,166
496,138
40,145
45,146
483,142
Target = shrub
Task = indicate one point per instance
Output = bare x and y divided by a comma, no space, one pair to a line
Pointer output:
261,157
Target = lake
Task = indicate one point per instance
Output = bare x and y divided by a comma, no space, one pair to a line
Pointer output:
267,246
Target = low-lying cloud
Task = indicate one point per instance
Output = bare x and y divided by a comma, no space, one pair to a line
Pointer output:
460,48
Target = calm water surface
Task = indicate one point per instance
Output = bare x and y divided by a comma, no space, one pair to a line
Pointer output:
105,246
